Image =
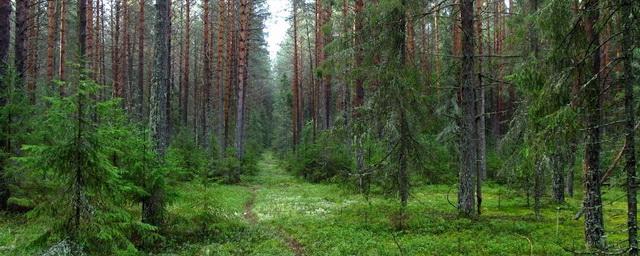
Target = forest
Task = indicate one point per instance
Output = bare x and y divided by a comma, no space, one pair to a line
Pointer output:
369,127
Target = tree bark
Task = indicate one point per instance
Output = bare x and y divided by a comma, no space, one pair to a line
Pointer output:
118,90
21,32
630,150
51,37
358,100
152,206
90,58
295,81
62,48
468,127
206,69
139,92
186,41
220,74
5,36
594,224
245,9
326,79
481,170
32,59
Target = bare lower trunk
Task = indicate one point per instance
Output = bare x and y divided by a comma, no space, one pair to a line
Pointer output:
468,127
593,222
5,33
630,150
557,178
153,205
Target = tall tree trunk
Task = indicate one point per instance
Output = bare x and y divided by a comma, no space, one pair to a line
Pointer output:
403,44
32,59
630,150
295,81
123,62
346,97
82,30
315,60
481,169
326,79
118,90
90,39
139,92
594,224
184,83
62,48
229,76
51,37
245,14
220,75
21,27
206,69
468,127
5,35
153,205
358,100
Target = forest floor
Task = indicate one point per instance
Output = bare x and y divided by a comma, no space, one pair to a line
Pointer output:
275,213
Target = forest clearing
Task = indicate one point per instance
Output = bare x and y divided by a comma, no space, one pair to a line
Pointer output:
319,127
327,219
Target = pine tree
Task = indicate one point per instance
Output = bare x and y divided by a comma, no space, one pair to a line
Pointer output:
153,205
5,34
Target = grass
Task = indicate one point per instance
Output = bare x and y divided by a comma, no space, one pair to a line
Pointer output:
327,219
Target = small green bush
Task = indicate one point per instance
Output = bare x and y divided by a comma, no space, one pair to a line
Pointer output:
321,161
230,169
187,159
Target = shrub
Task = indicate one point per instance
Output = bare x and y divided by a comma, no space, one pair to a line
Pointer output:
230,169
323,160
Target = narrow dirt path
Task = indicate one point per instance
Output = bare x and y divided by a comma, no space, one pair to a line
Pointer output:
250,216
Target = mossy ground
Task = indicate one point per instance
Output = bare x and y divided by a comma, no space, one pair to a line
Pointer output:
327,219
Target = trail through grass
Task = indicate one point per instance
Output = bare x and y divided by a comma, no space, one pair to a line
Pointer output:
275,213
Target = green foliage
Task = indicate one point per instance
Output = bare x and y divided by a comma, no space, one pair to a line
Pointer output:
324,160
230,169
83,190
185,158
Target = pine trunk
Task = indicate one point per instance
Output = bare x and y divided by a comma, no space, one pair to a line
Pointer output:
468,127
51,37
21,32
139,92
206,69
594,224
152,206
32,59
245,6
630,150
184,82
5,36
